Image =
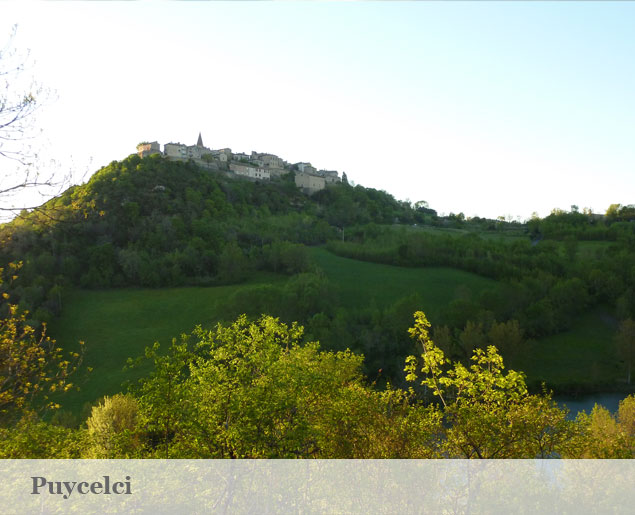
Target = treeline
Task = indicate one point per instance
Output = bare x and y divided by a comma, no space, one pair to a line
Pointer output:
311,299
615,225
260,390
545,285
155,223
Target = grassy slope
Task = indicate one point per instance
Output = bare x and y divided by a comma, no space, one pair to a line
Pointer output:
584,355
117,324
362,283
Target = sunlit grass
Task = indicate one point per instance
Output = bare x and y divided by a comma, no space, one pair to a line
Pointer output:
119,324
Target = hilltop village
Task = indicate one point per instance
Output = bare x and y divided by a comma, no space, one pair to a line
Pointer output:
254,166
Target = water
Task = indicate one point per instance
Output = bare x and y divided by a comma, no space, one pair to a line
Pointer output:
586,402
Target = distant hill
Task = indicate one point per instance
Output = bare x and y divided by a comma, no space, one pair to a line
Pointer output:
153,222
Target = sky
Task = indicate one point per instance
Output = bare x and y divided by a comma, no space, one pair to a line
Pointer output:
486,108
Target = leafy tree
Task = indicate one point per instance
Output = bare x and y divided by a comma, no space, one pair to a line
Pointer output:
487,413
307,294
603,436
626,419
472,337
233,266
612,211
110,427
256,390
32,366
570,247
35,439
160,396
444,340
507,336
286,257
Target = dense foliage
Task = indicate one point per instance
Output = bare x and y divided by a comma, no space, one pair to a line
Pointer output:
547,283
259,390
32,365
153,222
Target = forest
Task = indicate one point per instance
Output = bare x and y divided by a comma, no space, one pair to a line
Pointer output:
309,347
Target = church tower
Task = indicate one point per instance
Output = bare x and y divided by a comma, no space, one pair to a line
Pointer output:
199,143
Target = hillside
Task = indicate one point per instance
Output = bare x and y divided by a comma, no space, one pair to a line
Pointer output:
150,247
153,223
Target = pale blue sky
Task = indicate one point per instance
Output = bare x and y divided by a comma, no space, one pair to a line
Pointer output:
486,108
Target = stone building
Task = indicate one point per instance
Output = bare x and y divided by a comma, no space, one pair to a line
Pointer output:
252,172
306,168
277,172
238,156
184,152
330,176
175,151
147,149
224,155
309,183
255,166
267,160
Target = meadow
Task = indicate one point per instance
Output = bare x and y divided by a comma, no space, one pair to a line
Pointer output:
580,360
117,324
362,283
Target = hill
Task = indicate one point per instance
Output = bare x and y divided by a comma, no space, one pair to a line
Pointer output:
121,323
201,247
153,223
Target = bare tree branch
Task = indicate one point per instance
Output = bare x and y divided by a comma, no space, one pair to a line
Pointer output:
21,175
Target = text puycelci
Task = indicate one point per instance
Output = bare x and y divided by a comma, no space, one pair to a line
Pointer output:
66,488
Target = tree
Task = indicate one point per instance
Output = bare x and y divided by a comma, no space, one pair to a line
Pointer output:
257,390
110,426
604,436
487,413
31,438
233,265
20,100
32,366
570,247
17,108
472,337
612,211
626,345
507,336
160,396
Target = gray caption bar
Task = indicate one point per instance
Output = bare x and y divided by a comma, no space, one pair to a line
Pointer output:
317,486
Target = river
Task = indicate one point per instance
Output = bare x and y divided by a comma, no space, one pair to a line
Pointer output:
586,402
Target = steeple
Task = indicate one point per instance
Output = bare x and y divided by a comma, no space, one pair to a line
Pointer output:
199,143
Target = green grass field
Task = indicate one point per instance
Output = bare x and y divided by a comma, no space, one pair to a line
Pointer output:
584,355
361,283
118,324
